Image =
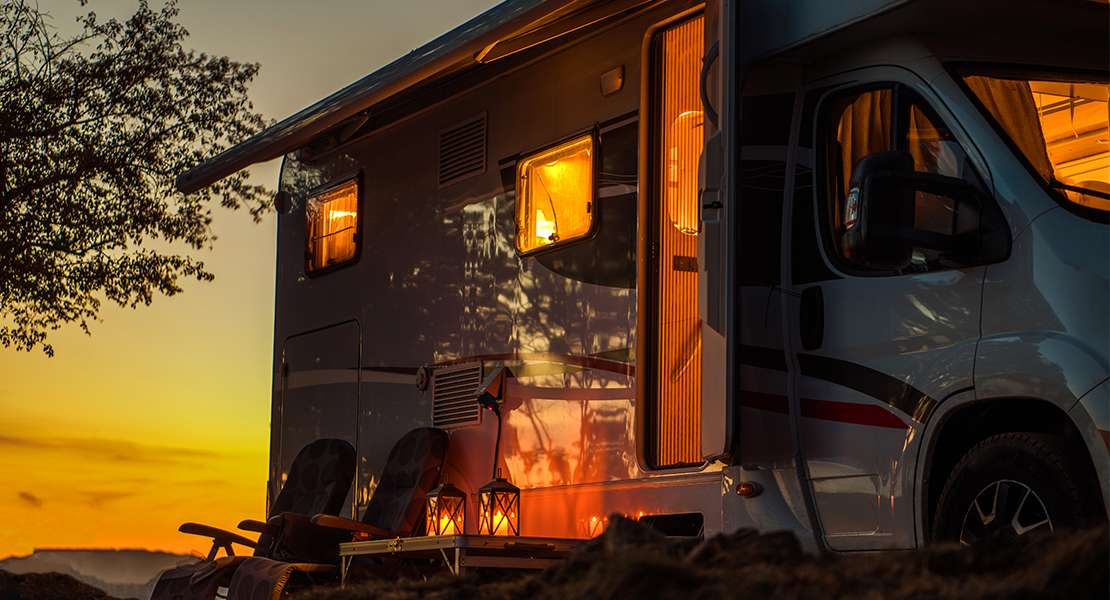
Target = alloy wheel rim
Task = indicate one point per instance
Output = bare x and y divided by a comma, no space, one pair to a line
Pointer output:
1005,509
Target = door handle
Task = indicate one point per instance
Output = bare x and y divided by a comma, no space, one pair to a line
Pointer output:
812,318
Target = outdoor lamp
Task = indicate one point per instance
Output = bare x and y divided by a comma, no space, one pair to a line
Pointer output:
446,510
490,396
499,510
499,500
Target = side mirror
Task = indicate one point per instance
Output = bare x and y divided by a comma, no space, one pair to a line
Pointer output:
891,210
867,211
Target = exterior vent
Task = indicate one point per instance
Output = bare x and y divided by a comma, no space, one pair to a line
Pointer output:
455,396
462,150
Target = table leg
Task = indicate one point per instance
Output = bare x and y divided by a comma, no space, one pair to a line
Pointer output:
344,564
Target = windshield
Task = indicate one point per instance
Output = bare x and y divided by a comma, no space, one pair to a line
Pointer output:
1059,123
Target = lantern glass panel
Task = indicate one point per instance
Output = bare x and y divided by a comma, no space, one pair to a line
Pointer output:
499,510
445,510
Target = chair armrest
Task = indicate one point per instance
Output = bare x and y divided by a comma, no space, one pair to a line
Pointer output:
351,525
217,534
259,527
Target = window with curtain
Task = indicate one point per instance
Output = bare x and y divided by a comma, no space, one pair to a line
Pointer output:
331,225
880,120
555,196
1058,124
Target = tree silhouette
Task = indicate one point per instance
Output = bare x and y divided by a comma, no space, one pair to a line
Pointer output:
94,129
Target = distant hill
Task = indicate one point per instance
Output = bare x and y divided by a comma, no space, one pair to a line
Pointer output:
120,573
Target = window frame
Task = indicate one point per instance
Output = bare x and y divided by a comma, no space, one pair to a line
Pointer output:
595,168
357,177
903,96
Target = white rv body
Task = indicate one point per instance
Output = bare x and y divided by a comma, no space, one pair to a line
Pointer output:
847,397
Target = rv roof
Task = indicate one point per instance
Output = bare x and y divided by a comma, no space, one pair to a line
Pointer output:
507,28
765,28
453,50
803,29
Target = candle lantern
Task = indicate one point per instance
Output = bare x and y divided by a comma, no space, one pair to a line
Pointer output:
445,508
499,510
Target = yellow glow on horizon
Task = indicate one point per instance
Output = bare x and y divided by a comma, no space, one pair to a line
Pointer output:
105,493
161,416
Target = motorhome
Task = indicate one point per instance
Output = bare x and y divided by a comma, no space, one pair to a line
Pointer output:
836,268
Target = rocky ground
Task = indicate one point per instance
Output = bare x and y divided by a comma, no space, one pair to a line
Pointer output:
632,561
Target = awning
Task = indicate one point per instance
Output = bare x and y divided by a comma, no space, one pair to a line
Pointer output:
479,37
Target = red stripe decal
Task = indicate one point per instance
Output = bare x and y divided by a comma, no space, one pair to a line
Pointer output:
1105,438
847,412
768,402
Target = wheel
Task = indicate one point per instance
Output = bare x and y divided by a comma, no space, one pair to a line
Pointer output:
1010,485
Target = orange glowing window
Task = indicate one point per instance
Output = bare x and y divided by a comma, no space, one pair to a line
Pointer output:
331,225
1059,123
555,193
683,144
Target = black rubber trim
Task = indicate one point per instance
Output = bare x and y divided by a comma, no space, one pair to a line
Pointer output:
397,370
764,358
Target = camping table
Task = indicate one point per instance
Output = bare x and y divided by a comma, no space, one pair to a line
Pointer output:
460,552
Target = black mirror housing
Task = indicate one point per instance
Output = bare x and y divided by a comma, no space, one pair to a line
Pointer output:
882,207
865,208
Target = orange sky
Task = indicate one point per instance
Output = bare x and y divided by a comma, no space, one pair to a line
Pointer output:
162,415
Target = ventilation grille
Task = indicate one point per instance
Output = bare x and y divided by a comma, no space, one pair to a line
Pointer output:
462,150
455,396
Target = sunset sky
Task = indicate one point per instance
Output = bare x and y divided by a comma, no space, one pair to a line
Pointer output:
161,416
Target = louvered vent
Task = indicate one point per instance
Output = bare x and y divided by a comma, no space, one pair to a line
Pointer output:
462,150
454,396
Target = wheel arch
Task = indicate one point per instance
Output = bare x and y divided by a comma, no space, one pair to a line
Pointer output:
968,422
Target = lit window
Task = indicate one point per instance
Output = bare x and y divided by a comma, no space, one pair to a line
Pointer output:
555,190
1059,124
331,221
683,143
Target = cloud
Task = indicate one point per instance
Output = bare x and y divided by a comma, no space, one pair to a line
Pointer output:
31,499
111,450
101,498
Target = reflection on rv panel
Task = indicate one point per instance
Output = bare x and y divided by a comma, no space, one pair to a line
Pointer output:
840,270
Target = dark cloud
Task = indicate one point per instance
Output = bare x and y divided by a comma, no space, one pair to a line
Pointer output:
31,499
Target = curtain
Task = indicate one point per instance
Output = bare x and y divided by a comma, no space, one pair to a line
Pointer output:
1011,104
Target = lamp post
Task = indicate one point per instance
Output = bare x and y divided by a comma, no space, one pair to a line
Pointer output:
499,500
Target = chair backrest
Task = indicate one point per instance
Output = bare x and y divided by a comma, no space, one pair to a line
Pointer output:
411,471
318,481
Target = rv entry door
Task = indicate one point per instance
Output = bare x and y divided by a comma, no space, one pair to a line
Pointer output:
319,395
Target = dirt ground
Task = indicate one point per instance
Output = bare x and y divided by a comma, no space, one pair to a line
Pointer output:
631,561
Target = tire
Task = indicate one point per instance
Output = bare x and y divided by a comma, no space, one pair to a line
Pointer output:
1011,485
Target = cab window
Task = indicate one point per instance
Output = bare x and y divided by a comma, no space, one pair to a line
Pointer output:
884,119
1058,124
